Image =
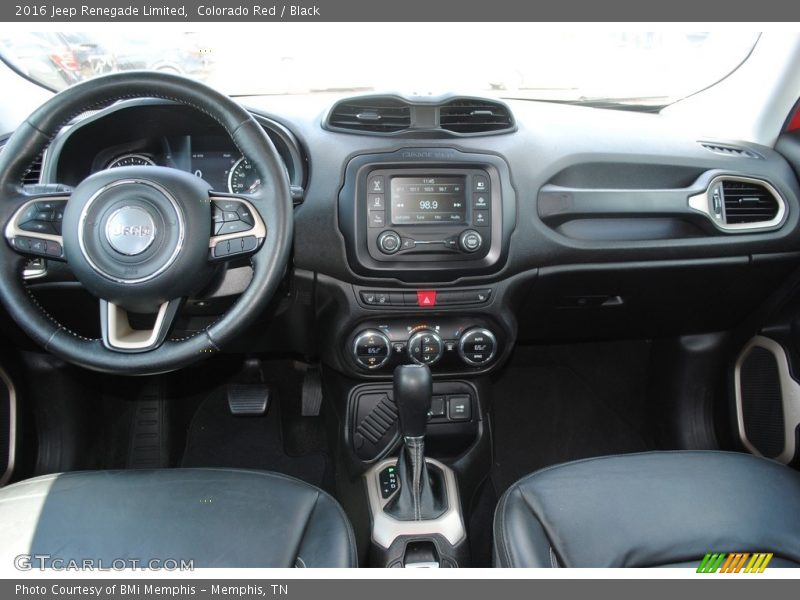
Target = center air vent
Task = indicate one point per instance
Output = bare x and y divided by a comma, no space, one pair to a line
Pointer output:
741,204
376,114
474,116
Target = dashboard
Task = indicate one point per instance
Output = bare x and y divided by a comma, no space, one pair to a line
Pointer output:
445,230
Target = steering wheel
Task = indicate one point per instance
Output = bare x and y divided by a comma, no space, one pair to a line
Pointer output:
141,239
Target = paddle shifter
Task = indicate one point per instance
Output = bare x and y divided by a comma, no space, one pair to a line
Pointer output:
421,494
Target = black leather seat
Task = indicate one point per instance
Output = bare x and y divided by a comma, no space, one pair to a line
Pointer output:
213,517
650,509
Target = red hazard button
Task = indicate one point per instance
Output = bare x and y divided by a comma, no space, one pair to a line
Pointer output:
426,297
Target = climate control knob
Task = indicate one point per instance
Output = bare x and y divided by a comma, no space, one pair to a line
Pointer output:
425,347
371,349
389,242
477,346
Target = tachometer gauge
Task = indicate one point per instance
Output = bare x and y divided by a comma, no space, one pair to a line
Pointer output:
243,178
131,160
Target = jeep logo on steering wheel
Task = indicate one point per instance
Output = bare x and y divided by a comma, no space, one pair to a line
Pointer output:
130,230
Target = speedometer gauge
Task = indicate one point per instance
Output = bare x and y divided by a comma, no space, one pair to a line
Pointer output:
243,178
131,160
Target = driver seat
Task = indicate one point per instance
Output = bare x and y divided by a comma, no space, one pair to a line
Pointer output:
211,517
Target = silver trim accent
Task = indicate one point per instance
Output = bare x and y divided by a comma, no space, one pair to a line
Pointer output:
175,252
485,332
12,418
373,333
421,333
121,335
386,529
790,396
112,163
12,227
35,268
259,228
703,203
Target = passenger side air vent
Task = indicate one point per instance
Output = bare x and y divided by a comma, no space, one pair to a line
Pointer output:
748,202
728,150
373,114
741,204
474,116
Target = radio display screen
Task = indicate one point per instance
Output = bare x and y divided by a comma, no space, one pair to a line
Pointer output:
428,200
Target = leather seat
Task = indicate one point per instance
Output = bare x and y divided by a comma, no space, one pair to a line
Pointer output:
650,509
213,517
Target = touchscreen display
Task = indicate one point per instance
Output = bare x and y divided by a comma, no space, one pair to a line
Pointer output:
428,200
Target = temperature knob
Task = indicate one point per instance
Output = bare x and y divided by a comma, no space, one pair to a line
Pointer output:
371,349
477,346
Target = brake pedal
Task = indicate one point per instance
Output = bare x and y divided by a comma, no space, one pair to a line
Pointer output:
248,400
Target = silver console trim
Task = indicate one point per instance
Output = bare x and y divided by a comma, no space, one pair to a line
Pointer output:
790,396
386,529
12,434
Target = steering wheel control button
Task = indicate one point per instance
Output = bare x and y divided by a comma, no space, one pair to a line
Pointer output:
426,298
371,349
130,230
470,241
477,347
459,407
240,245
425,347
233,227
389,242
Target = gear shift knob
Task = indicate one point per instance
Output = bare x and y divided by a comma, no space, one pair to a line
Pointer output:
413,387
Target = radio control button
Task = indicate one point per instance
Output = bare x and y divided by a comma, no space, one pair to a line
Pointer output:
376,218
470,240
375,202
388,242
375,184
480,201
480,183
480,217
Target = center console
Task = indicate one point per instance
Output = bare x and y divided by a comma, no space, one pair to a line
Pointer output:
426,231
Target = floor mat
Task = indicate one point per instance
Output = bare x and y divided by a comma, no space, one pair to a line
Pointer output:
218,439
559,403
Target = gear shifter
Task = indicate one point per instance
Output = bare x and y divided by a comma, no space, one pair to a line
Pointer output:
421,495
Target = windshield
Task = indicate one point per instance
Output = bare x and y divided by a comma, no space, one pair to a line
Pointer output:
505,60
